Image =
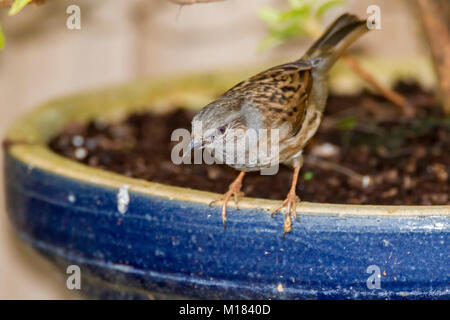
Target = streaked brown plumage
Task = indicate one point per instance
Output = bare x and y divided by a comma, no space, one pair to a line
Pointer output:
290,98
281,93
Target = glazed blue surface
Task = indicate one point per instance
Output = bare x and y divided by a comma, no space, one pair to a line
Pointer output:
166,248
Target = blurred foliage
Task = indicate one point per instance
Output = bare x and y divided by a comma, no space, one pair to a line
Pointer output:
2,39
348,123
308,175
300,19
15,8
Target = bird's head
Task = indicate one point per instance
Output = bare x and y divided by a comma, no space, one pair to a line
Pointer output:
215,125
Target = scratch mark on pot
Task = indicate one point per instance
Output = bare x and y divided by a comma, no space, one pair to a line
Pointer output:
71,198
123,199
160,253
439,226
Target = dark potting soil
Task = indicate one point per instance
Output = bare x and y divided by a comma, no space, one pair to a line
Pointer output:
407,160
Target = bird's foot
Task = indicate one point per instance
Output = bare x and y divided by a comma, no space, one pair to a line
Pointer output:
290,202
233,191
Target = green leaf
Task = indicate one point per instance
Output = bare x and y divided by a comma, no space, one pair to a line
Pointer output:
295,15
2,39
269,15
348,123
324,7
278,36
296,3
308,175
292,22
17,6
269,42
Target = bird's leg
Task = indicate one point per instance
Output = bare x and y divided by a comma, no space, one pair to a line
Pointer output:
234,190
291,199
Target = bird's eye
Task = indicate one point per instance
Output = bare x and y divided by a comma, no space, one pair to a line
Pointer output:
221,130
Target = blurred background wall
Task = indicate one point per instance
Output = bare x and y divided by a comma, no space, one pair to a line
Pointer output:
124,40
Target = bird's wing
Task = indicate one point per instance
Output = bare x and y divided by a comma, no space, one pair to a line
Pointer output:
280,93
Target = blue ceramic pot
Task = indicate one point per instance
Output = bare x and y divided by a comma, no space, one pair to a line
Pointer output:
138,239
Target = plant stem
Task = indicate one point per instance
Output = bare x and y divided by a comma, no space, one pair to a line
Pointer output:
328,165
389,94
435,14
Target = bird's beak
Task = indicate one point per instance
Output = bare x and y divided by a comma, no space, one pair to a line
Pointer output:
194,144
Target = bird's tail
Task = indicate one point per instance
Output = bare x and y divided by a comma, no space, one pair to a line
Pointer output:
338,37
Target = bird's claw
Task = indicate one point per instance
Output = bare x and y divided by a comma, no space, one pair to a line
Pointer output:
290,202
235,191
225,197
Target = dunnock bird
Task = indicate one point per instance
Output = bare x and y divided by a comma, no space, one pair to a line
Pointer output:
289,98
